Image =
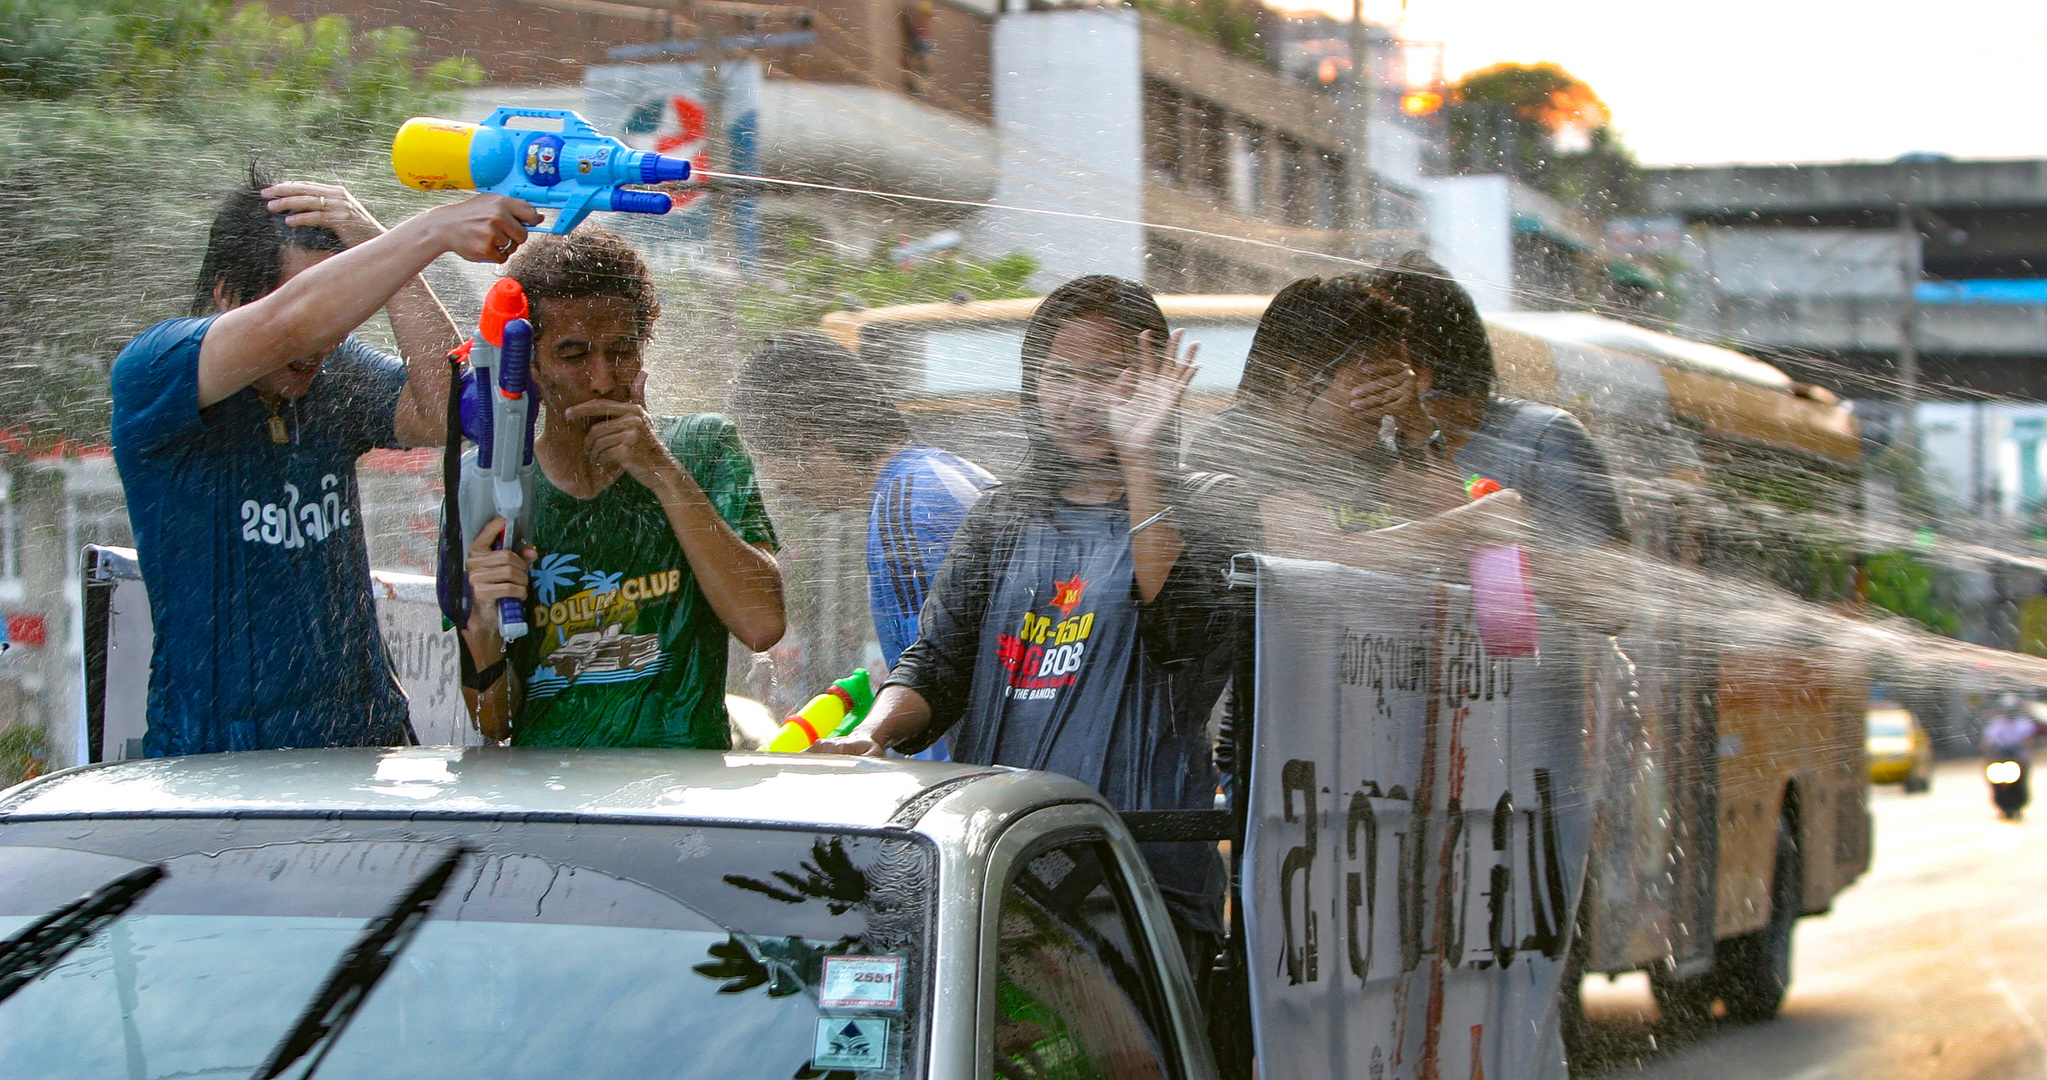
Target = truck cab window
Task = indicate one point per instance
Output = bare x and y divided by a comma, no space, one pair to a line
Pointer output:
1077,994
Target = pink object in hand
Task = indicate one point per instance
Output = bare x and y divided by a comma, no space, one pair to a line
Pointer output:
1503,600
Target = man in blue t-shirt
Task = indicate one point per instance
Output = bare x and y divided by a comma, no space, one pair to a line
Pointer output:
820,431
236,433
920,498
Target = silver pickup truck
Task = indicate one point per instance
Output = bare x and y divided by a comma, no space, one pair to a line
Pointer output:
633,914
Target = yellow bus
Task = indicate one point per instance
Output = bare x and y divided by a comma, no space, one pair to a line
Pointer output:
1735,801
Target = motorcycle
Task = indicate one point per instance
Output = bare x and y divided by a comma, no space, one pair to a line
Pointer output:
2007,774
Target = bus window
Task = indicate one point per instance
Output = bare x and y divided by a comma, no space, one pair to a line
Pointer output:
1791,520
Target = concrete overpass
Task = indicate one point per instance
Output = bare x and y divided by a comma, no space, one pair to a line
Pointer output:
1805,263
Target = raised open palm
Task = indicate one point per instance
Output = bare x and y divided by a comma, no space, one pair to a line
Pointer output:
1147,397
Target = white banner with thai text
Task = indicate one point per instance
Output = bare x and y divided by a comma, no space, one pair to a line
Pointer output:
1418,829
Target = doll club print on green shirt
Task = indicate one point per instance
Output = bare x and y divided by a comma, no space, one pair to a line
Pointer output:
625,649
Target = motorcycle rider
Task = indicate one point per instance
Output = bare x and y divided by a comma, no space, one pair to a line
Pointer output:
2008,736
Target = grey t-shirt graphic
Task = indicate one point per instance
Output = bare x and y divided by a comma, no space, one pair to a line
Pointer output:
1035,652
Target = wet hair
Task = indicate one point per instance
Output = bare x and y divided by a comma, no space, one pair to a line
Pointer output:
1309,327
591,262
804,389
1127,305
1446,336
244,251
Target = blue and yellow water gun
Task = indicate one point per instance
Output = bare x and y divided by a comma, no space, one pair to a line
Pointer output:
551,158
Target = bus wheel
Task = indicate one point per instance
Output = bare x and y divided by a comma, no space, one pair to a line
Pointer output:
1686,1004
1570,989
1755,968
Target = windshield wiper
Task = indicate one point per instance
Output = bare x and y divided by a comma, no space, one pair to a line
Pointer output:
45,943
360,969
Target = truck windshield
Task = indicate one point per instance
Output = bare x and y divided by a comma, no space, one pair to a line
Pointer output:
555,950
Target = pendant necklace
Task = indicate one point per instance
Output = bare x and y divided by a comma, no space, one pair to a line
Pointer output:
278,434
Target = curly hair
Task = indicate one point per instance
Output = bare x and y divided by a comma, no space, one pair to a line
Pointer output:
591,262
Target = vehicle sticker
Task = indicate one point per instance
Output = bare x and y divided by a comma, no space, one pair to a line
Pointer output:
851,1042
861,982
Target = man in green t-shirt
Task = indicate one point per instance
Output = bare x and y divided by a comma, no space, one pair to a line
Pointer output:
650,543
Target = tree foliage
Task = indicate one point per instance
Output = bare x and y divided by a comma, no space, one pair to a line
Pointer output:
1236,25
1544,95
1543,125
24,753
1902,583
121,123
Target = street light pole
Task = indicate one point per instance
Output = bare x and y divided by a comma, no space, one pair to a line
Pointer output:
1911,267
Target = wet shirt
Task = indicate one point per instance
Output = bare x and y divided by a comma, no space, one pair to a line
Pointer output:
1242,444
1037,653
625,649
920,498
253,551
1546,454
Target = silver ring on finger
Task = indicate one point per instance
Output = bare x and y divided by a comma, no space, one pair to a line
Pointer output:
323,204
504,247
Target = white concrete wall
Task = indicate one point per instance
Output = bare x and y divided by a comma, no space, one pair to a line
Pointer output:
1069,112
2005,459
1471,232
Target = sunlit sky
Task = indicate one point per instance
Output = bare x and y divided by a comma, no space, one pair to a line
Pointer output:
1770,80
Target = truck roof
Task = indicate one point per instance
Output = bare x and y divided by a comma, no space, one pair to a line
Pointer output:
775,789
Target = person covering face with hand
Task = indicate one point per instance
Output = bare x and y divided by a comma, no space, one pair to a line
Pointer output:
651,548
1579,539
1332,442
1082,622
236,433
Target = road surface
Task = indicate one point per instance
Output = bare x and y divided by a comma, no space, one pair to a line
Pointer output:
1932,967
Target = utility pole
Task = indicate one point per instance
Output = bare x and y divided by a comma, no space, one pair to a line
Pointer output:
1911,267
711,55
1362,103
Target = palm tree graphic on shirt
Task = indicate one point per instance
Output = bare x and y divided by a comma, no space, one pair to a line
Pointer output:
601,583
555,572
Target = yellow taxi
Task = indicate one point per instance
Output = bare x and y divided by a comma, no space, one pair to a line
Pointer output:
1899,748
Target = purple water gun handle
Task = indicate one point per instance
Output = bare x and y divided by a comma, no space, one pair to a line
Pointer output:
515,367
517,362
511,612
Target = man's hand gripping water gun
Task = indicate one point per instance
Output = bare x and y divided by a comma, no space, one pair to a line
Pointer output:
551,158
498,414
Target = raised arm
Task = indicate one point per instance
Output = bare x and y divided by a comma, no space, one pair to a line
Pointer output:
313,311
424,331
1297,526
1141,422
741,580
